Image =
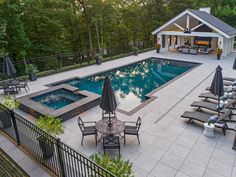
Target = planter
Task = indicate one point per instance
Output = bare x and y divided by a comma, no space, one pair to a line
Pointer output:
47,147
136,53
5,120
218,57
98,61
32,77
158,50
208,130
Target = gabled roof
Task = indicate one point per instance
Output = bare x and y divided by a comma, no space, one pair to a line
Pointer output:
208,19
219,24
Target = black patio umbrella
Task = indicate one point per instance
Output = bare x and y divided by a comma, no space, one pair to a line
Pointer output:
8,67
108,100
217,86
234,65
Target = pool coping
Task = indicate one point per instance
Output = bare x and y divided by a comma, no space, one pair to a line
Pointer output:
150,97
37,109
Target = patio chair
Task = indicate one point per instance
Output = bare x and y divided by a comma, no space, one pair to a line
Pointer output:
87,130
106,115
23,85
10,90
132,128
2,85
111,142
204,117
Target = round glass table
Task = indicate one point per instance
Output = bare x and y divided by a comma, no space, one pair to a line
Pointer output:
102,126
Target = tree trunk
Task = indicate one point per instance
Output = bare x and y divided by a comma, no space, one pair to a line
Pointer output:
83,4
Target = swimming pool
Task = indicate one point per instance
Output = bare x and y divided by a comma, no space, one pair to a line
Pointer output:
131,83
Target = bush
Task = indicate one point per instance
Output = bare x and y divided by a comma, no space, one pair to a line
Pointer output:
10,102
117,166
50,124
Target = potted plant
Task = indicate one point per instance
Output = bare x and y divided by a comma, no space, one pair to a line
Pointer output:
135,51
219,52
158,47
53,126
99,58
31,70
11,103
209,129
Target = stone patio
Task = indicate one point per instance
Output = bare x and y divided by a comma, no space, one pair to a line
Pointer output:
169,146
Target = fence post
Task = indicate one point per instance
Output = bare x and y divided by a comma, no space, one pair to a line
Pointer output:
60,161
13,118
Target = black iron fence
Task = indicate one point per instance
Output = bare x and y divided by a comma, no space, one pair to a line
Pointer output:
56,156
57,61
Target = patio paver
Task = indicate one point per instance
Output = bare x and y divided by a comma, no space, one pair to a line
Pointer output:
169,146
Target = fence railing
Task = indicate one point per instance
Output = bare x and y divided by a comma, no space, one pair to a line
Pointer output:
55,62
56,156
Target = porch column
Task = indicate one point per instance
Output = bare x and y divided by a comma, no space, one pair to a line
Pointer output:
159,39
178,40
232,44
221,44
172,42
166,42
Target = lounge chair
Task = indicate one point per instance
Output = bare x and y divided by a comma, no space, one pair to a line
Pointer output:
214,106
229,79
204,117
226,85
206,96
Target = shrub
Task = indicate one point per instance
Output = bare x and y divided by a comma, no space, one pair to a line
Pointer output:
10,102
117,166
50,124
219,51
31,69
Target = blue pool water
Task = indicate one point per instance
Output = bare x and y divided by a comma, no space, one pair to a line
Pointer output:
132,82
58,98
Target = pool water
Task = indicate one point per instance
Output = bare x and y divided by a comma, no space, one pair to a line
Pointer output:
132,82
58,98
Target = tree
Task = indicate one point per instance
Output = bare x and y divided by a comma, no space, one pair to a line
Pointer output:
84,7
17,41
3,41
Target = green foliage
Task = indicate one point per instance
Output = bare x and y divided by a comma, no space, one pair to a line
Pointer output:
50,124
117,166
34,28
3,41
209,122
31,69
10,102
16,39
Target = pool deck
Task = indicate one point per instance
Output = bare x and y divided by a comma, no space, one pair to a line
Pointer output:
169,146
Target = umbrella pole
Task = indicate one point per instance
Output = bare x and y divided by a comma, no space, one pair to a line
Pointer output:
218,107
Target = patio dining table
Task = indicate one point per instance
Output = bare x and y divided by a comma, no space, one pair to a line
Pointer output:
117,128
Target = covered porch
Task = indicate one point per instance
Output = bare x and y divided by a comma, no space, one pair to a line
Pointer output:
196,32
199,42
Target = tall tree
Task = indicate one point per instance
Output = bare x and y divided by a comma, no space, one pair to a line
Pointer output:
17,41
83,5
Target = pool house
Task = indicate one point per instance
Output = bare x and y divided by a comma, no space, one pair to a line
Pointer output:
195,32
